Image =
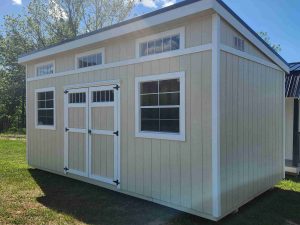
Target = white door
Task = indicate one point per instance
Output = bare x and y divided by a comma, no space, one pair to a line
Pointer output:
101,132
104,134
76,131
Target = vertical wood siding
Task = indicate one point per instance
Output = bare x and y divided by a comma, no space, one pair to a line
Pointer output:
289,127
227,38
251,129
197,32
174,172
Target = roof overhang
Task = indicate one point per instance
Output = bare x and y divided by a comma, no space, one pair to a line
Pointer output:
177,11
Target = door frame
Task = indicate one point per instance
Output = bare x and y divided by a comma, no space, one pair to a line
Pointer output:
117,126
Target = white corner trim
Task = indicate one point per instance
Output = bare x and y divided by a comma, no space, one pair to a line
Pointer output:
46,127
283,124
44,64
161,135
246,55
135,26
246,33
186,51
216,173
91,52
180,31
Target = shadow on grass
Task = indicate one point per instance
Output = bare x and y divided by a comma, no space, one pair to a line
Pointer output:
96,205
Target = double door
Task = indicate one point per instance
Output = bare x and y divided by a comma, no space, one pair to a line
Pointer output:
92,134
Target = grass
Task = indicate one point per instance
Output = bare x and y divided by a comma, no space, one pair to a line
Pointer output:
31,196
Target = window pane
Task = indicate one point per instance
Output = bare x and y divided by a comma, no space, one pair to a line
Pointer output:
166,44
143,49
49,95
151,49
102,96
45,117
175,42
99,59
169,113
41,104
169,126
158,46
169,99
150,125
149,87
111,94
41,96
149,100
169,85
49,104
107,96
149,114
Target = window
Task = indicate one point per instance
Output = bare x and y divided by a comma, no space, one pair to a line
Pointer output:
77,97
103,96
44,68
91,58
160,106
239,44
45,108
162,42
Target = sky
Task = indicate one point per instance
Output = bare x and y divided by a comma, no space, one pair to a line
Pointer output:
279,18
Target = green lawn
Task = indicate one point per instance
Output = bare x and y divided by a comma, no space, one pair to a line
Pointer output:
30,196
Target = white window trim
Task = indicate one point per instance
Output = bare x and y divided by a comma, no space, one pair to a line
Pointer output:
44,64
47,127
87,53
161,135
180,31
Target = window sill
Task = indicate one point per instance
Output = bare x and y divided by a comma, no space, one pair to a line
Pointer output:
161,135
45,127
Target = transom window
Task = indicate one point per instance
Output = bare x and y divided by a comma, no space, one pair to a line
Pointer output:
77,97
103,96
45,108
91,58
44,69
163,42
160,108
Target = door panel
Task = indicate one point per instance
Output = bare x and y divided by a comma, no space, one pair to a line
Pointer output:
102,118
76,133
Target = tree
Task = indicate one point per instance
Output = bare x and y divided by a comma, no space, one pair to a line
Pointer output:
266,38
44,23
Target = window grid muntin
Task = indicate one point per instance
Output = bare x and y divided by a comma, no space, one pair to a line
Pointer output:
77,98
45,69
162,40
103,96
45,115
159,107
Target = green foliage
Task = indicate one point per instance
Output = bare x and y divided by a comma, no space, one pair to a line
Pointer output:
44,23
266,38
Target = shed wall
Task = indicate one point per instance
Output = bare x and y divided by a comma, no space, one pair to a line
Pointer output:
289,128
252,108
173,172
197,32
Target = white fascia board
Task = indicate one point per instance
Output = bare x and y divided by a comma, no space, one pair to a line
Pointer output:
244,31
167,16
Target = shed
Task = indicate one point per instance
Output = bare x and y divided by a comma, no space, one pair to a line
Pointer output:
183,106
292,93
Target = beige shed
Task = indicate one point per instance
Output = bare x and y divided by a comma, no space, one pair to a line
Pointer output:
183,106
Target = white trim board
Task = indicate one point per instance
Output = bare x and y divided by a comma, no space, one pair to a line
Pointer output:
248,56
174,53
215,122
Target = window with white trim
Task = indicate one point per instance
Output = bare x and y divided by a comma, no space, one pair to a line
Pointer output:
239,44
45,108
44,69
161,106
163,42
91,58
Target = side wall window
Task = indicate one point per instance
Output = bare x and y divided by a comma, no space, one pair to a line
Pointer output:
45,108
91,58
160,106
44,68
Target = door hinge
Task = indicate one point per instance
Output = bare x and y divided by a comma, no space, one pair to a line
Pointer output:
116,133
116,87
116,182
67,129
66,169
90,131
66,91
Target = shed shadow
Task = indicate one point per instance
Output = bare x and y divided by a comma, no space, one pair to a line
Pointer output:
95,205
